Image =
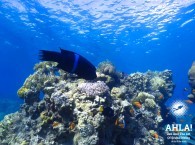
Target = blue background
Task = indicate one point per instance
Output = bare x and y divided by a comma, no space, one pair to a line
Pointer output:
134,35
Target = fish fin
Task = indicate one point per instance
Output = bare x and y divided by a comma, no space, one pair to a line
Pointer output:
63,51
49,56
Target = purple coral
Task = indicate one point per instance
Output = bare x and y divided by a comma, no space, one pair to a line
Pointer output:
94,89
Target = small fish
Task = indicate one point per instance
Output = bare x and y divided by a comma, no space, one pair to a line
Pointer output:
189,101
70,62
107,111
71,125
155,135
120,122
132,112
137,104
193,90
161,97
185,89
55,124
181,120
122,125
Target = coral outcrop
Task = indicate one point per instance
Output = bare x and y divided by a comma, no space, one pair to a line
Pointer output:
60,109
191,79
191,75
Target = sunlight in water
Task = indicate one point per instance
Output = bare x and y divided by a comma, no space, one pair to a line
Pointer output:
107,19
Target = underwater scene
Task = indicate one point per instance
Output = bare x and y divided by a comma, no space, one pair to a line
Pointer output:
97,72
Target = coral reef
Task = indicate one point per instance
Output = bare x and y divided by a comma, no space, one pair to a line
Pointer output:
71,111
191,75
191,79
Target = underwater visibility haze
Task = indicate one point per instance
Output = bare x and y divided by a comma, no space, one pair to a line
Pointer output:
123,39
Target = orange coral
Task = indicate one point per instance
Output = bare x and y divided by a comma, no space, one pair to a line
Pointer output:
117,121
120,123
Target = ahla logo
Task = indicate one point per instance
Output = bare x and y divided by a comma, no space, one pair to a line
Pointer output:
178,108
178,127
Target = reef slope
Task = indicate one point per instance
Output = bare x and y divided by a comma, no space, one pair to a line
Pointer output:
60,109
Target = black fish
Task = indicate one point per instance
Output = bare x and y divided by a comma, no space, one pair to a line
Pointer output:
70,62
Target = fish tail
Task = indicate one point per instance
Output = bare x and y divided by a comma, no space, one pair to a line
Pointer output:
49,56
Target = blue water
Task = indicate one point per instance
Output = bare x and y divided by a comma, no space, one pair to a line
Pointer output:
134,35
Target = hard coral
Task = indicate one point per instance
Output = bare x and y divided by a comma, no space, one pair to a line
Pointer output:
191,75
69,112
118,92
94,89
38,81
107,68
142,96
150,103
157,83
22,92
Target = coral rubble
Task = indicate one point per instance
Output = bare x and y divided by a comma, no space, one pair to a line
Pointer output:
69,113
